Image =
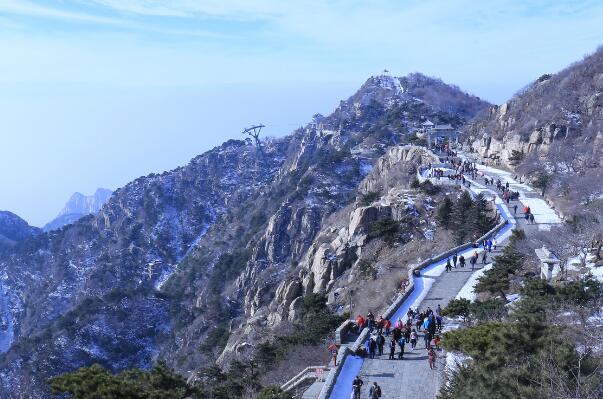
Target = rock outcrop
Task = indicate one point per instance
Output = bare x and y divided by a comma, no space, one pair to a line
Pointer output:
554,126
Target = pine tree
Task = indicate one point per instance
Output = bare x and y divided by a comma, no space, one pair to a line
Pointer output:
460,217
496,280
481,222
457,307
444,213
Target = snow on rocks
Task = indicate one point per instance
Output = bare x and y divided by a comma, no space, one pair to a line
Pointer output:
454,360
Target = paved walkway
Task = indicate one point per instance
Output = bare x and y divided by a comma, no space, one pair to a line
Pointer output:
411,376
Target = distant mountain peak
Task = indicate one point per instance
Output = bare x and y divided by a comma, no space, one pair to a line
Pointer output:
79,205
86,204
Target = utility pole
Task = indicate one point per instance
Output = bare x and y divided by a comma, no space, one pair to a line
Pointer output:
254,131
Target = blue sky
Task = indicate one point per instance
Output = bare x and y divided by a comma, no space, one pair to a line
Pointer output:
94,93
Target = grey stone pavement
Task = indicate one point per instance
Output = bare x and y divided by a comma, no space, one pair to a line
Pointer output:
411,377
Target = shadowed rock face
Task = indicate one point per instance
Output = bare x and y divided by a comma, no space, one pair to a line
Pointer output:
14,229
235,238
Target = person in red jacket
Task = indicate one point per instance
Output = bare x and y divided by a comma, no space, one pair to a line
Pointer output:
387,325
431,358
360,322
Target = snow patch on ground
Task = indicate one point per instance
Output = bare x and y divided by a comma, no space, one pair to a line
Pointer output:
588,261
468,290
543,213
454,360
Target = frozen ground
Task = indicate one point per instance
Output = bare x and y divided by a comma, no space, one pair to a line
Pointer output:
543,213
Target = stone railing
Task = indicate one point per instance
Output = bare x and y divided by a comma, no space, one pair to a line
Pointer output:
342,330
306,374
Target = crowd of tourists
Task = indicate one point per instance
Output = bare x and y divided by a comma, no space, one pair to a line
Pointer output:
387,339
392,340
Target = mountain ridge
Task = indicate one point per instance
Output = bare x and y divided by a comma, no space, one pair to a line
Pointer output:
14,229
171,257
553,127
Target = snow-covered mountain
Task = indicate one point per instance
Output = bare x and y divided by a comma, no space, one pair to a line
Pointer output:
227,245
79,205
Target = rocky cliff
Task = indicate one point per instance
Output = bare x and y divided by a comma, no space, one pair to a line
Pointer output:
210,258
553,126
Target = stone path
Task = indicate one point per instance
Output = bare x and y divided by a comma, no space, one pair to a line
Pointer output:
313,391
411,376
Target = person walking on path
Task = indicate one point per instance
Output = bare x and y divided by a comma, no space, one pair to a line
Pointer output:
357,386
401,343
484,257
388,326
448,267
427,339
432,325
392,349
420,319
380,325
407,334
436,342
375,392
372,348
413,339
431,358
426,323
462,261
380,343
454,259
531,218
360,322
515,209
473,260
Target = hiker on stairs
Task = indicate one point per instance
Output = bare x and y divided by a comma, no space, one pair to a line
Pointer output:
392,349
